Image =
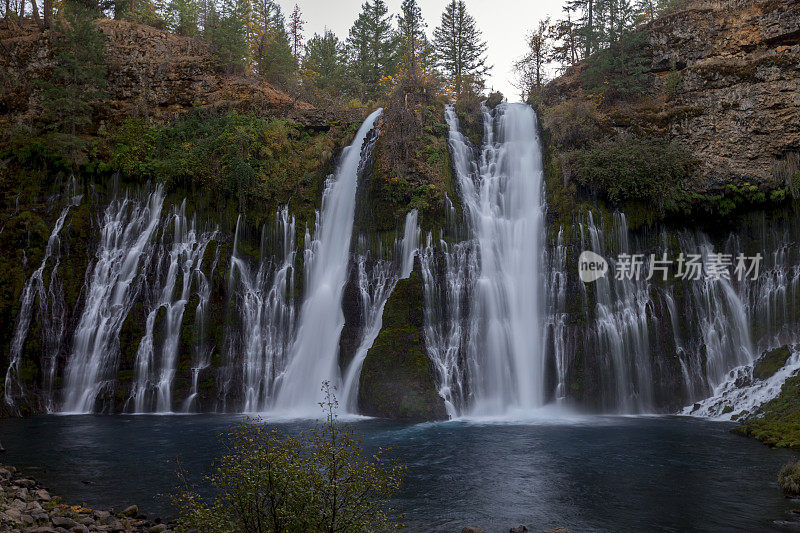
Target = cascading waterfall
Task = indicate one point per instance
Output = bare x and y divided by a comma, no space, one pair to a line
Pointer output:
201,358
182,262
446,324
622,312
111,287
503,199
267,313
556,316
51,314
314,353
375,287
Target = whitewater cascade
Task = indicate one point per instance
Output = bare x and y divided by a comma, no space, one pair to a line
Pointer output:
503,199
313,357
51,313
621,322
375,285
125,238
266,311
181,262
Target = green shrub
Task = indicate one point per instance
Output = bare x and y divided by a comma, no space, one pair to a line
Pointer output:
621,71
263,162
674,84
628,169
317,481
789,478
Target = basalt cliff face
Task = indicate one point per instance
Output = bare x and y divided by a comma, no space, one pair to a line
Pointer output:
724,84
150,73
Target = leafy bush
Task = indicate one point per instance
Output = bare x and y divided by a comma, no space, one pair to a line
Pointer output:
619,72
259,161
571,124
789,478
318,481
632,169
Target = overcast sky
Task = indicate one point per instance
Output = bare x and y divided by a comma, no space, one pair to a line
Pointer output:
504,24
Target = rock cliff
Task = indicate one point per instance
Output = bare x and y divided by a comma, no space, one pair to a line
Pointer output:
724,83
151,73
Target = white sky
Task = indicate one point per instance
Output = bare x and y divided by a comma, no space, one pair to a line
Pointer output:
504,24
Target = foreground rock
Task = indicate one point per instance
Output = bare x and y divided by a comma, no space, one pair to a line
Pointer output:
26,507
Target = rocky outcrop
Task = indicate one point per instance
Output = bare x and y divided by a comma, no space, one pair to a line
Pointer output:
724,82
26,507
397,379
151,73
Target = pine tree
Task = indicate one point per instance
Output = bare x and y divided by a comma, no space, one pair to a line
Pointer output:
411,30
566,43
269,43
226,31
296,24
324,64
529,69
370,46
460,49
79,72
182,17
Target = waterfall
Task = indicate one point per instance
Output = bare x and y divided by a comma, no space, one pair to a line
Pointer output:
266,311
51,312
448,274
556,316
314,353
111,288
375,287
182,263
503,198
622,311
201,358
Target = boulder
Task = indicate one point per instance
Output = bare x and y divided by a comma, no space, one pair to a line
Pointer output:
131,511
63,521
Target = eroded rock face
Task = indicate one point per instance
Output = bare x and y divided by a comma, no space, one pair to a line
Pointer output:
737,103
151,73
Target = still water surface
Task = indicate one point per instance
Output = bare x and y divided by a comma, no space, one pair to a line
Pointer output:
589,474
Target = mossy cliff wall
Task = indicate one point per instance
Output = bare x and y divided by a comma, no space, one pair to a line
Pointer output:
397,379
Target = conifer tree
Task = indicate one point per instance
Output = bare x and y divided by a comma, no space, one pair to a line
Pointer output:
460,48
324,63
411,31
370,46
530,68
181,17
296,24
269,43
79,73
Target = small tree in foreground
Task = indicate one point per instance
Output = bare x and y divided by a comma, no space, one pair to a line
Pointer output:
317,481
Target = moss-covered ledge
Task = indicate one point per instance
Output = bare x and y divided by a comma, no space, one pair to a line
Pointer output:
397,379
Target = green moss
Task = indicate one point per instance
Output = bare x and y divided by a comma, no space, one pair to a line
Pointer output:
771,362
777,422
396,379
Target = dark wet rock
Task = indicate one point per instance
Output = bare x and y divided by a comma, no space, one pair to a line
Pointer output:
63,521
473,529
519,529
397,379
22,511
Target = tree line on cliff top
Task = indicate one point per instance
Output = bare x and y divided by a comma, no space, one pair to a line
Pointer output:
255,37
